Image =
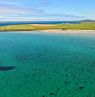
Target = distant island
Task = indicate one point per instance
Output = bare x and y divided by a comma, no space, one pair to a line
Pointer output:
88,20
87,24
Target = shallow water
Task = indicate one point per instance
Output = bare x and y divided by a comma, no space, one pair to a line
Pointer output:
47,65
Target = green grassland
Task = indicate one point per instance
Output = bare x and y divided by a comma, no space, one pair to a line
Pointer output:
30,27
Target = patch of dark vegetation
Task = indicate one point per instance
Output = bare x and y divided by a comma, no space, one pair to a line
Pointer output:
51,94
63,28
7,68
43,95
67,82
58,89
81,87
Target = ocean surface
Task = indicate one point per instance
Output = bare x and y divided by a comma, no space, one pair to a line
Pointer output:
47,65
37,22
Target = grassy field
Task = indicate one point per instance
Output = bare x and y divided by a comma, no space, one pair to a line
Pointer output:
32,27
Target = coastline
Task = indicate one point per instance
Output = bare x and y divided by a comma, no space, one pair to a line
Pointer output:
56,31
67,31
50,28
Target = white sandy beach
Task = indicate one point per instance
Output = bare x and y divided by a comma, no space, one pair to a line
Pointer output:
59,31
67,31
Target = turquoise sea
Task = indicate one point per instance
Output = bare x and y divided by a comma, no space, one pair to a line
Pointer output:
37,22
47,65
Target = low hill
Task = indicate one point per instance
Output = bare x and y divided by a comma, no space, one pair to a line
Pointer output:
88,20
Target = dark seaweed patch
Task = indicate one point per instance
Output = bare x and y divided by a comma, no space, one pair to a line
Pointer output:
51,94
43,95
58,89
81,87
6,68
67,82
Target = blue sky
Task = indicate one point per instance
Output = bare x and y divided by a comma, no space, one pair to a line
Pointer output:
46,9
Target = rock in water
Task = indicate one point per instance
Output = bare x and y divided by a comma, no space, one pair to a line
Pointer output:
6,68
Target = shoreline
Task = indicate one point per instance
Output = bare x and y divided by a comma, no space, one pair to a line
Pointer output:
56,28
59,31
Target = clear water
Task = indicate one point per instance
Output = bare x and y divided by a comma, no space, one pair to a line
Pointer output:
39,22
34,22
47,65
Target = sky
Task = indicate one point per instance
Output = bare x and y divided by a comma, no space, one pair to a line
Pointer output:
31,10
